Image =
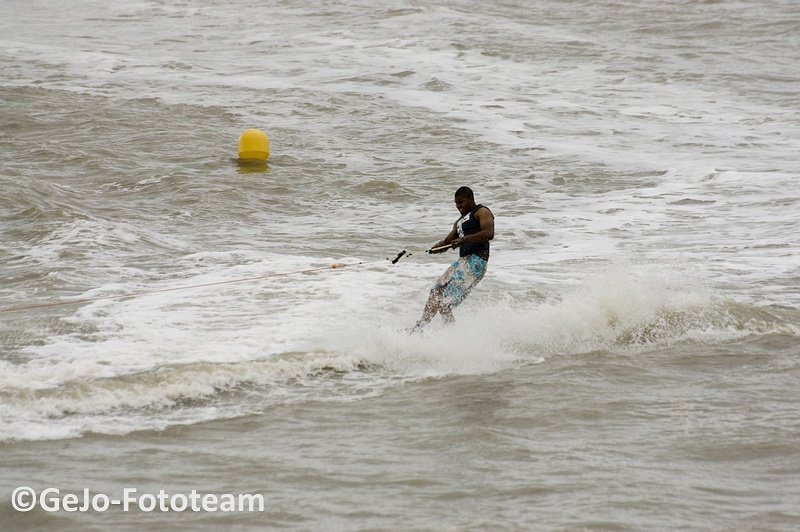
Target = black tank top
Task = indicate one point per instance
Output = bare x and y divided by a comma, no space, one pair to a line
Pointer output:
469,225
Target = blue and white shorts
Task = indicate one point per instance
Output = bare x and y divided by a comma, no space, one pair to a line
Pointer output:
459,279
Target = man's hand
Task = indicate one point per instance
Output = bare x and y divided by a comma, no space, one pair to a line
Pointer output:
439,247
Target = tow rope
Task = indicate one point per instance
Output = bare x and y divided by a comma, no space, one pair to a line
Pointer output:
139,293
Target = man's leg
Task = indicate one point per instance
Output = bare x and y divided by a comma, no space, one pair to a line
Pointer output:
453,287
432,307
441,298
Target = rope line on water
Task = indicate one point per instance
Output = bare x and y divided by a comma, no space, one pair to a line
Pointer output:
334,266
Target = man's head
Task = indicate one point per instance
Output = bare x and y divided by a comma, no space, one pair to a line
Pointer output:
465,200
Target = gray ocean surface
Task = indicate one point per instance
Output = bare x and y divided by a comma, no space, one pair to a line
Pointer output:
630,362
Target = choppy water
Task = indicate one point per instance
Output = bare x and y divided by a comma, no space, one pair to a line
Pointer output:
630,361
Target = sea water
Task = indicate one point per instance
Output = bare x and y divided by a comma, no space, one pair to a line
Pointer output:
629,362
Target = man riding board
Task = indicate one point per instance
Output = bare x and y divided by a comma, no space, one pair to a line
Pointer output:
471,233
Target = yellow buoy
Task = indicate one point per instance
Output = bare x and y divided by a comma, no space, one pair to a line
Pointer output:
253,145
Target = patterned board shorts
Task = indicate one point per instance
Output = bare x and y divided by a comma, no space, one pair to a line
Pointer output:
461,277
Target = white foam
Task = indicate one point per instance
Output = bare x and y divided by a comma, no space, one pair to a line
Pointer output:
151,351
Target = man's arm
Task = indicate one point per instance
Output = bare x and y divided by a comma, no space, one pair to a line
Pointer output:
447,240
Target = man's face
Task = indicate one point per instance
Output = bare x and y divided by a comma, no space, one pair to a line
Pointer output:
464,205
